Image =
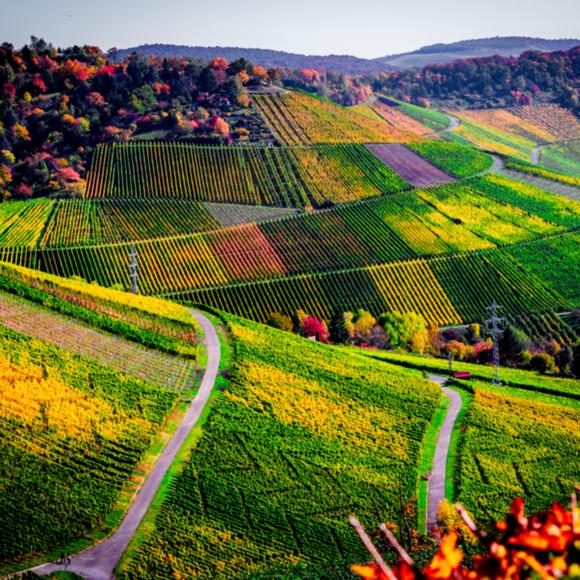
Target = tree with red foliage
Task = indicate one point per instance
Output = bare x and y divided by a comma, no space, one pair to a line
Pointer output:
9,91
314,327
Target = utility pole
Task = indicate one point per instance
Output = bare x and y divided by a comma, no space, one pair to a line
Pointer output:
133,268
493,325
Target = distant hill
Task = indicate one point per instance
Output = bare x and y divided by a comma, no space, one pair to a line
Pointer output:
433,54
267,58
501,45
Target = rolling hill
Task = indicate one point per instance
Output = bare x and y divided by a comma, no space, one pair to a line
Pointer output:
433,54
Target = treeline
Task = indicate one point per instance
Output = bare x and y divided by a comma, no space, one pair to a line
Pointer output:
57,104
409,332
490,82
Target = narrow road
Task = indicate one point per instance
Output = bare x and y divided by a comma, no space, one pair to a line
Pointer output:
439,469
535,156
99,561
454,122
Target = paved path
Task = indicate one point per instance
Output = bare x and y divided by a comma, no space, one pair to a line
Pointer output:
571,191
439,470
535,155
98,562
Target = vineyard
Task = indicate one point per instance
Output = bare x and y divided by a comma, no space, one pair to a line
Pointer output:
492,139
523,380
508,122
514,444
435,120
559,122
556,261
284,177
562,157
77,222
154,367
470,215
410,166
543,172
297,119
445,290
277,471
72,433
394,116
22,222
453,159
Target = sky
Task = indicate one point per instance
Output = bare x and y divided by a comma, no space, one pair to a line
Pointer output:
365,28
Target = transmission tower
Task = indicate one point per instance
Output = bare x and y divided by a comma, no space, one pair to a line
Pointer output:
493,325
133,268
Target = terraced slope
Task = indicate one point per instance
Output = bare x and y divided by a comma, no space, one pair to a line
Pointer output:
156,368
510,122
281,177
277,471
492,139
551,118
397,118
100,221
471,215
297,119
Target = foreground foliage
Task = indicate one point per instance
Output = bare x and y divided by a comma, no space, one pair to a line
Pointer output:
544,545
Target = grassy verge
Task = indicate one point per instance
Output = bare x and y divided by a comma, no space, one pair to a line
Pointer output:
426,460
451,467
148,523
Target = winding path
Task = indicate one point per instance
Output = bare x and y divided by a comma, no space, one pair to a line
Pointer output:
99,561
439,470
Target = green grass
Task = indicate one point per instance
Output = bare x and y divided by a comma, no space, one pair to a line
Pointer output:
454,159
516,378
426,463
453,457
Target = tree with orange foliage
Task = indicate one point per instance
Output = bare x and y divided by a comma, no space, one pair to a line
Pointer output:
221,127
219,63
259,73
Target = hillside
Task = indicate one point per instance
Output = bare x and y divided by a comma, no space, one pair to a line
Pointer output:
434,54
304,436
88,389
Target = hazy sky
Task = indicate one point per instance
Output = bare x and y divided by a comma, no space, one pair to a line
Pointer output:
367,28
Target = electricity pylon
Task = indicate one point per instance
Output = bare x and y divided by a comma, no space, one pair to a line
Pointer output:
493,325
133,268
